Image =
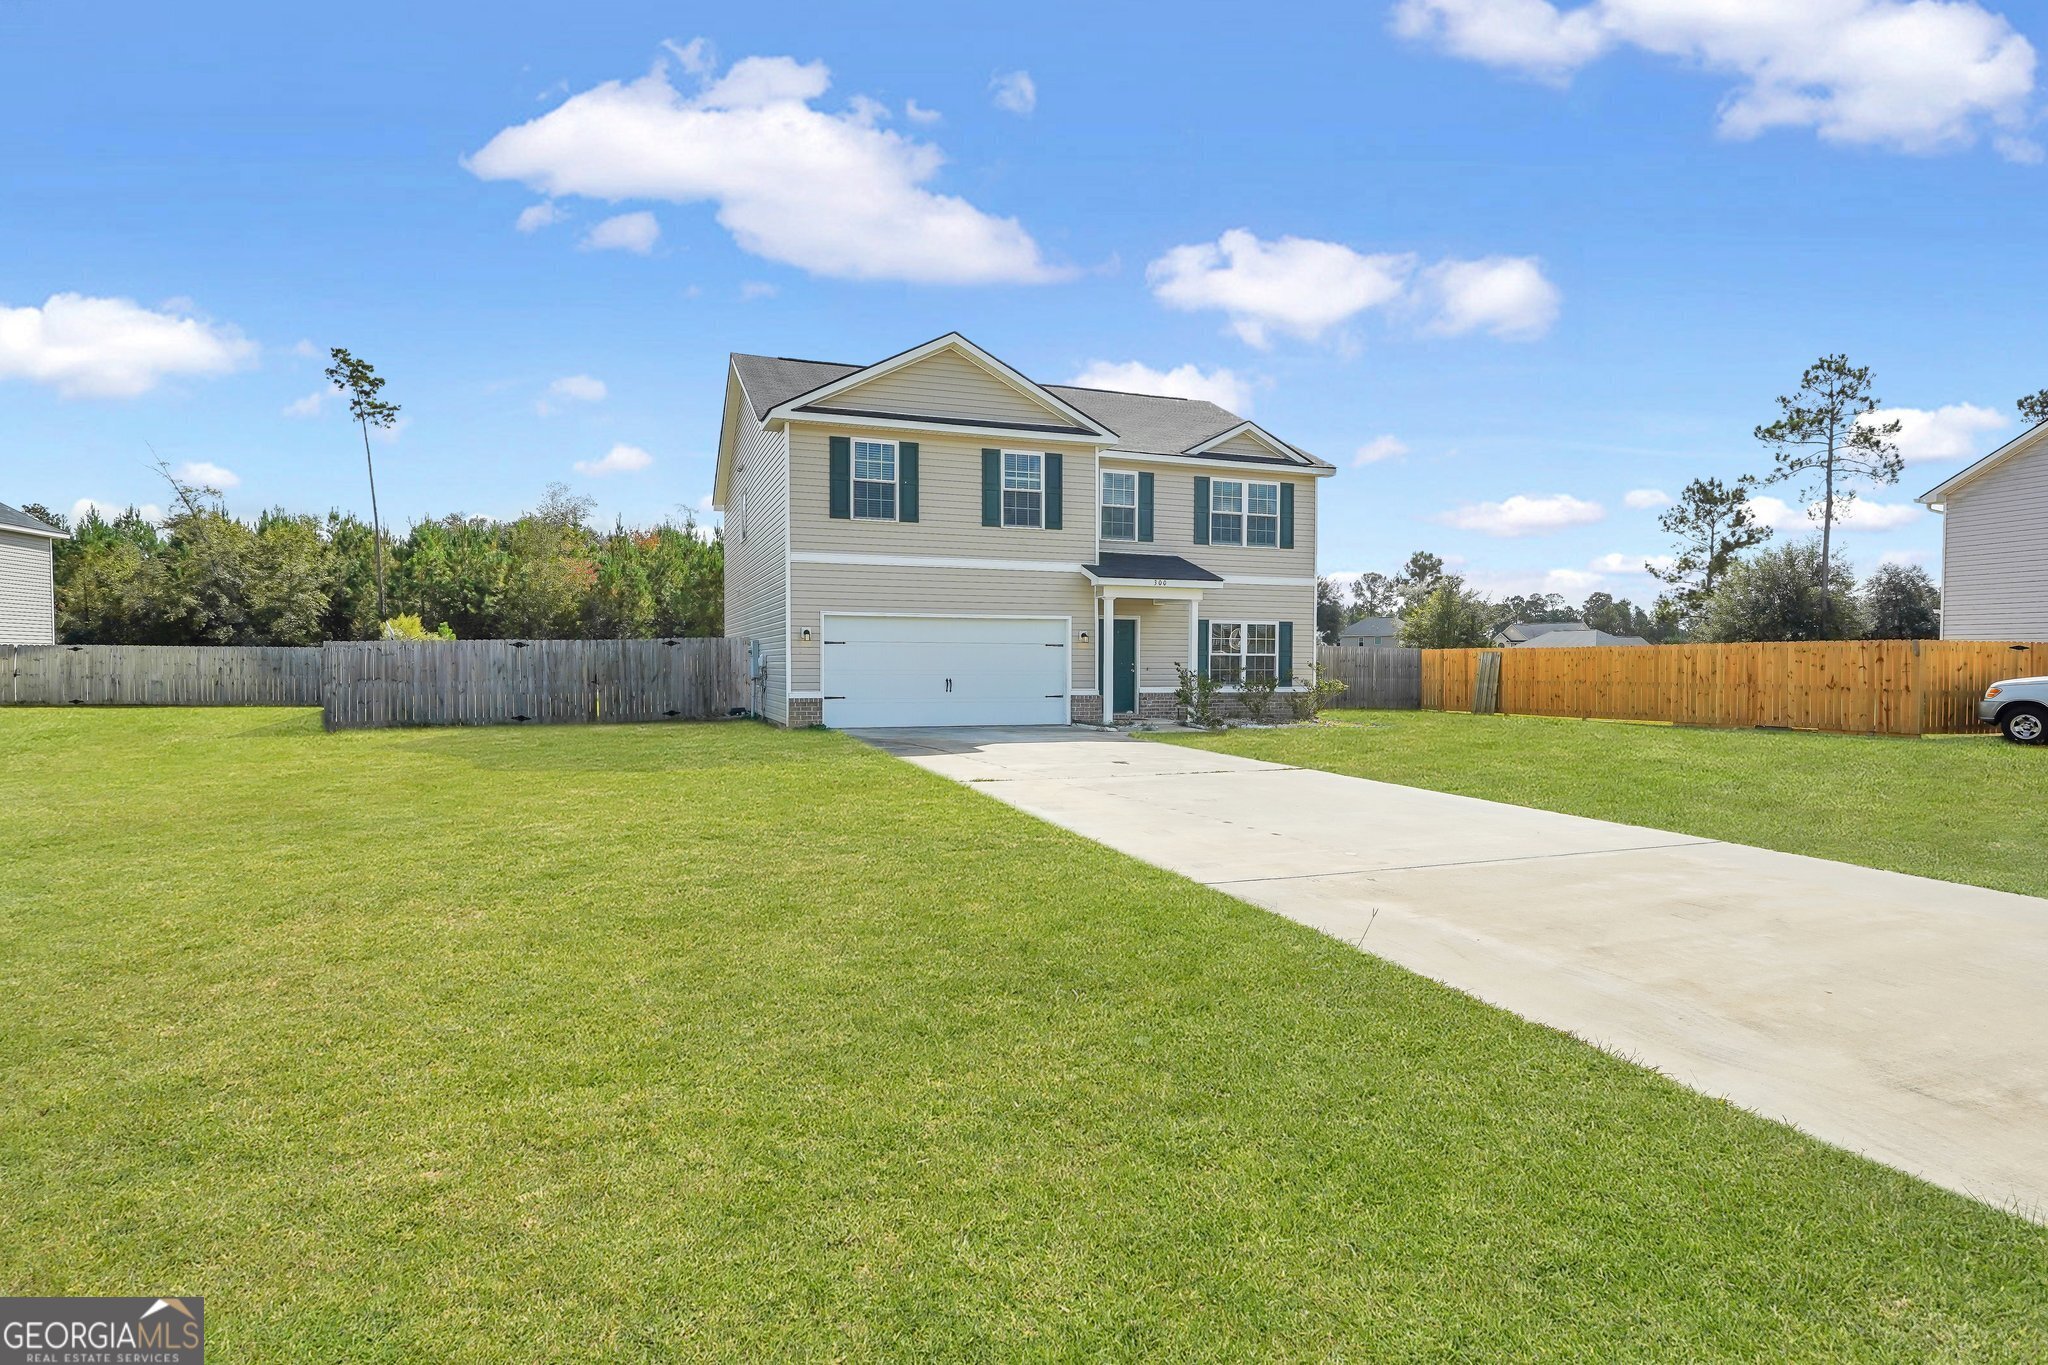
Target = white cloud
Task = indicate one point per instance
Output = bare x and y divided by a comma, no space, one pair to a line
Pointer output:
1014,91
829,193
620,459
1225,388
1301,287
313,404
112,348
696,56
920,115
207,473
1523,515
1644,499
1952,432
635,232
1295,286
756,289
1505,296
571,388
534,217
1380,448
1918,557
1860,514
108,511
304,349
1910,75
1621,563
583,388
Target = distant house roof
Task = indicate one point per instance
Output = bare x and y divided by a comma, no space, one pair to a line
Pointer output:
1575,636
14,519
1144,423
1149,567
1521,632
1371,628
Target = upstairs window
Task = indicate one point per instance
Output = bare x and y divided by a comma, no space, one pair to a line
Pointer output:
1119,506
874,480
1226,512
1262,514
1023,488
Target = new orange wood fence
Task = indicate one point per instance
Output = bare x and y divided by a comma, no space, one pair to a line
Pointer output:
1886,687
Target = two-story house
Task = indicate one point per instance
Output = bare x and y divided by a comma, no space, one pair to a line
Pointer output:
934,539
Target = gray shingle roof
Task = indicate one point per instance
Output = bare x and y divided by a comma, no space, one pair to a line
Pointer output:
1150,566
1146,423
1371,627
21,521
1578,638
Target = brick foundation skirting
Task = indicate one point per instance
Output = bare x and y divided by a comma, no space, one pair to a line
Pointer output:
1085,710
805,712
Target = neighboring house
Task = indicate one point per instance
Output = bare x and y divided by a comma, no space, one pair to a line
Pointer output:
1994,543
934,539
1522,632
28,594
1371,630
1575,636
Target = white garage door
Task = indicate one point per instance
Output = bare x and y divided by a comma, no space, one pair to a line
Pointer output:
944,670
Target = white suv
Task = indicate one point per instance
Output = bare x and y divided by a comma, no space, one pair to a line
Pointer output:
2019,708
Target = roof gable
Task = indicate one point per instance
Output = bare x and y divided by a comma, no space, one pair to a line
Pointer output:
949,378
2032,441
1247,438
20,522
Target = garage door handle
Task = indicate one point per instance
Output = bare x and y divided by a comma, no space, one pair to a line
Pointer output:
1055,644
835,642
1054,696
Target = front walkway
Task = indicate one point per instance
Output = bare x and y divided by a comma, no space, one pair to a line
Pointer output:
1900,1017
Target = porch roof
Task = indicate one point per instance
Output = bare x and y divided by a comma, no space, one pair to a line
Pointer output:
1149,569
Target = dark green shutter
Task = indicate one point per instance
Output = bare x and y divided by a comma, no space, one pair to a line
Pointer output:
1055,487
1286,660
906,482
1286,518
841,472
1144,507
991,487
1202,643
1202,525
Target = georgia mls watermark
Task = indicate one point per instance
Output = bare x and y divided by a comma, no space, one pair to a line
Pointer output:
102,1331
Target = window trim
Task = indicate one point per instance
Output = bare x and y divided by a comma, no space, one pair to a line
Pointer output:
1244,513
1103,505
1243,654
854,480
1003,489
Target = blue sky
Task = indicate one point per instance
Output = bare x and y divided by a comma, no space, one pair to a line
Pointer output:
1535,258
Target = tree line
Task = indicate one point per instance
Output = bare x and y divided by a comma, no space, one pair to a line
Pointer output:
205,576
1723,581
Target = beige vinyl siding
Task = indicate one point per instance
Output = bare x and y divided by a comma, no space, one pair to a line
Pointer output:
1162,641
1173,525
1995,542
1244,443
755,592
949,501
819,588
947,384
28,611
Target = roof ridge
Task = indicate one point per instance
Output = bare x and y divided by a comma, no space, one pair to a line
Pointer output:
1134,393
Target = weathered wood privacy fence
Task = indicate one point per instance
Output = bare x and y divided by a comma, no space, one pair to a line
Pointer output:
1885,687
1379,676
495,682
159,675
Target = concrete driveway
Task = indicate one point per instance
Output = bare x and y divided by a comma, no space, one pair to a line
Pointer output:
1903,1018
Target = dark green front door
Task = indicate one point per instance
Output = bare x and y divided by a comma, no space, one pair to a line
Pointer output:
1124,665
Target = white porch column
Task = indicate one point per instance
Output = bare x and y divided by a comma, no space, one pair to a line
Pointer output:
1105,657
1194,629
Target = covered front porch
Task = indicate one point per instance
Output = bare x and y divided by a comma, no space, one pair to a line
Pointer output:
1148,615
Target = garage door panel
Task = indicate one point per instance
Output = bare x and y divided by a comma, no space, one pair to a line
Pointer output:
884,671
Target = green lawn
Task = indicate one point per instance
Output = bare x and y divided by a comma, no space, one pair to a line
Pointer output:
695,1041
1964,809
